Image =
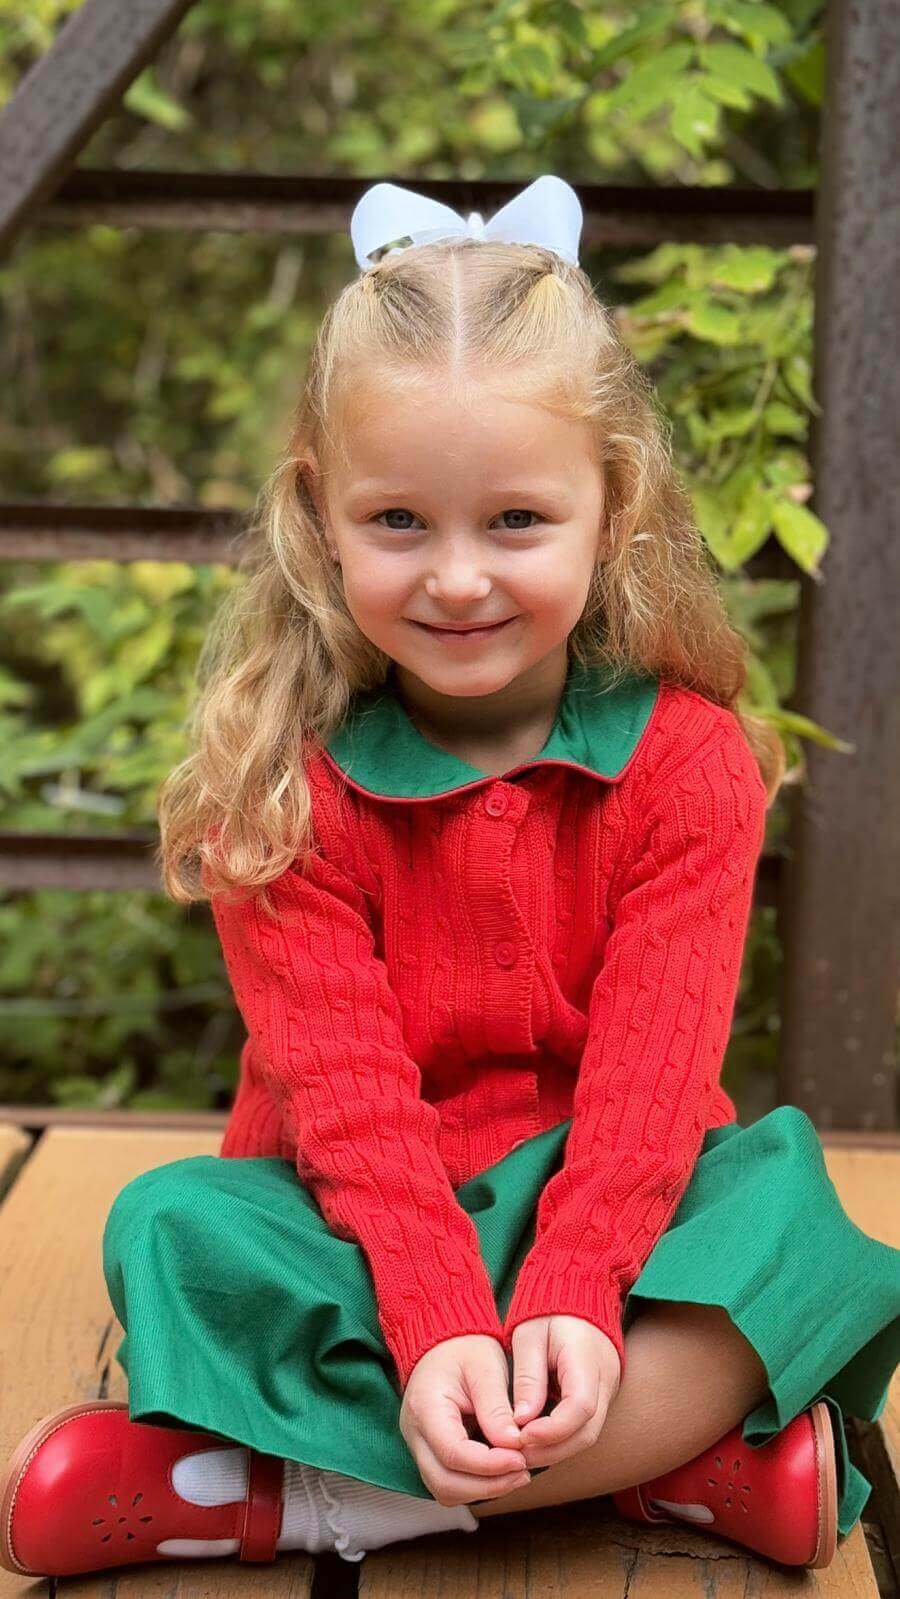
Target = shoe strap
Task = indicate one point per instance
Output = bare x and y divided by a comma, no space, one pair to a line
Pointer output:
262,1506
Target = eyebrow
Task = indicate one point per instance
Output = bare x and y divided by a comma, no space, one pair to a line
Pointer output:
538,489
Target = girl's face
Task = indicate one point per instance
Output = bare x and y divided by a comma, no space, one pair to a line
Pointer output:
457,506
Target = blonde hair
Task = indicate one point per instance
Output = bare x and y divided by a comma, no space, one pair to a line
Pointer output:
283,656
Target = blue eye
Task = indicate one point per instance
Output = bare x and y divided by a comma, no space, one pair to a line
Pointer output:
397,510
520,512
394,510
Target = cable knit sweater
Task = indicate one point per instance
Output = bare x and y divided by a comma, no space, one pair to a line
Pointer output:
466,960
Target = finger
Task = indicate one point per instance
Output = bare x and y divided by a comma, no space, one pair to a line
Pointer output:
580,1399
529,1373
443,1432
539,1454
487,1390
461,1487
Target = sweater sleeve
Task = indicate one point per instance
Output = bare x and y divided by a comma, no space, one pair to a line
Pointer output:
326,1030
658,1024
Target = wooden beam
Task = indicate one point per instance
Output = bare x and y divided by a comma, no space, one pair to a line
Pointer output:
263,202
38,531
78,861
842,890
97,53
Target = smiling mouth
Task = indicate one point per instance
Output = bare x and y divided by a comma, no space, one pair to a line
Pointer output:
467,632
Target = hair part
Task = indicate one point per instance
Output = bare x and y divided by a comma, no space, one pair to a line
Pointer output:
283,657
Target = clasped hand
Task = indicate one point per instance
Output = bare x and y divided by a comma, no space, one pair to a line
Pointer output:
464,1382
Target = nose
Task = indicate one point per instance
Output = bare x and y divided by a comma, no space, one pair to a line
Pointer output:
457,577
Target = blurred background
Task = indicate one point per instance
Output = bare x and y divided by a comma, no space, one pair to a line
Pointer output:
152,367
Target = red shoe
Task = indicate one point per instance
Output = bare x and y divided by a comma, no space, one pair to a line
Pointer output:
779,1499
88,1488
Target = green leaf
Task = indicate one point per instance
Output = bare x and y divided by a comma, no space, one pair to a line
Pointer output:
793,722
779,418
78,463
807,73
657,265
670,297
624,41
760,23
786,468
569,24
712,520
796,372
752,525
714,323
652,83
748,270
530,64
801,533
732,421
146,99
760,685
728,93
537,117
743,68
695,119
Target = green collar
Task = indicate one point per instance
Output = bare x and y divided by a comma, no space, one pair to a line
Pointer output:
382,752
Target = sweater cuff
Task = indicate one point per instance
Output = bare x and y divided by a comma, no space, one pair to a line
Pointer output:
539,1292
470,1308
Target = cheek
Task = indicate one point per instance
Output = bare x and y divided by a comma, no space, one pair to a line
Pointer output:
373,585
554,579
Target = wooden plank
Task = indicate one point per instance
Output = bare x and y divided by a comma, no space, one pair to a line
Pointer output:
614,215
40,1116
95,55
868,1183
58,1334
586,1551
842,889
14,1146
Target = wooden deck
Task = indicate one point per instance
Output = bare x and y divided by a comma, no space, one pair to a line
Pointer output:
58,1337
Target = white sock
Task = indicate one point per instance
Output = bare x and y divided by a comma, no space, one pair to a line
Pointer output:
322,1509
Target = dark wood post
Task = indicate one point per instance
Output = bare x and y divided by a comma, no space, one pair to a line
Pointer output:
97,53
842,883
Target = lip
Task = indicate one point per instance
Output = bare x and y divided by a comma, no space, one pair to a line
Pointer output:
457,635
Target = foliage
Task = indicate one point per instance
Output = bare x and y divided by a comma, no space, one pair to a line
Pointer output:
157,368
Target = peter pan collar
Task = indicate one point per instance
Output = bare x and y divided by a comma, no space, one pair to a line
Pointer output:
597,729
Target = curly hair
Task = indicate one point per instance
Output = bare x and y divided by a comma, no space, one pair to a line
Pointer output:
283,656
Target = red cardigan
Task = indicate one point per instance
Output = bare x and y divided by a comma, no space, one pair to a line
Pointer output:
473,959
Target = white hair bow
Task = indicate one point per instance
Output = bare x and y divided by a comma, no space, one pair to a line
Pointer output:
547,213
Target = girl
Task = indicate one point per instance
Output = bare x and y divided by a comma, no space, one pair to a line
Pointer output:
478,819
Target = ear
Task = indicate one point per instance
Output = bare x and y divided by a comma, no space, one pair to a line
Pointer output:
309,477
603,547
